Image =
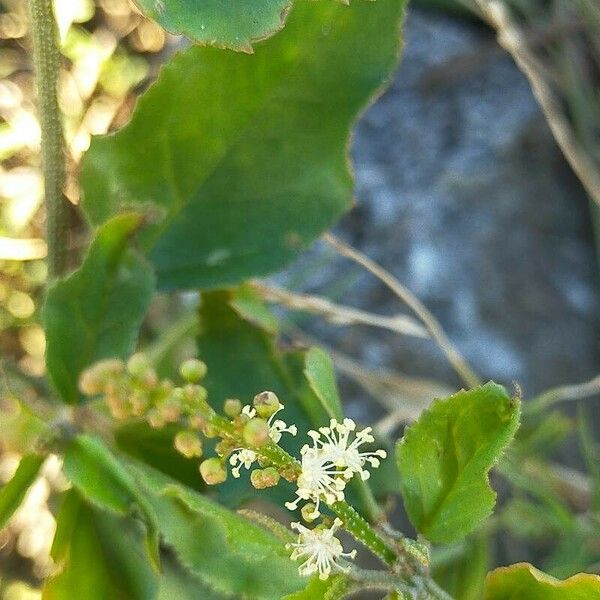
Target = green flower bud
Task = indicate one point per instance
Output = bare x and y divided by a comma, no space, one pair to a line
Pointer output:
232,407
191,396
308,512
155,419
192,370
197,422
170,410
210,431
213,471
94,379
266,404
137,365
139,403
264,478
256,432
188,444
117,406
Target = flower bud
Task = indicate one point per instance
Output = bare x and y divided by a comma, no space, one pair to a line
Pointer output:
137,365
194,395
93,380
192,370
213,471
309,512
169,410
117,406
232,407
155,419
188,444
139,403
266,404
197,422
256,432
264,478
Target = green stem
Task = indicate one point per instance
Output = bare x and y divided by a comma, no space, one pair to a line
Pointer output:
46,60
362,531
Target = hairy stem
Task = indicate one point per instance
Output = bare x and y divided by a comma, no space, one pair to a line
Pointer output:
46,61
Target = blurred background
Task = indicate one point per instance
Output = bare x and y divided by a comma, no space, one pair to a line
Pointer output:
478,185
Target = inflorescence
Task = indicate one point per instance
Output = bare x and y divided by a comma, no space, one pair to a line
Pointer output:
249,437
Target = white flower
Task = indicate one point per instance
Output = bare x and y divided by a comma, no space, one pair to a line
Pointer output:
343,453
277,427
319,480
241,458
320,549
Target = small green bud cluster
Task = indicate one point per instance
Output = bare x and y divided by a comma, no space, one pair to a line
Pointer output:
133,390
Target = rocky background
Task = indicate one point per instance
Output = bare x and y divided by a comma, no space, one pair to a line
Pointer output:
463,194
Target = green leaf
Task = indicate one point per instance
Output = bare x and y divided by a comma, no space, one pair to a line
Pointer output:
12,494
445,457
321,375
333,588
251,307
231,24
461,569
96,312
99,556
248,154
244,359
228,553
102,480
524,582
155,447
176,583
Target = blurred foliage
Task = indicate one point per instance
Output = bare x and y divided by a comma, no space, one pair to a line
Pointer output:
110,50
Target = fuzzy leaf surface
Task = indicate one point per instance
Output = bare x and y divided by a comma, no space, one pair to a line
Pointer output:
248,154
445,457
230,554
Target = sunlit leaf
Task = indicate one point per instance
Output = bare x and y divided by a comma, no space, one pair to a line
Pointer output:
101,479
96,311
524,582
13,493
230,554
98,556
321,375
248,154
222,23
333,588
445,457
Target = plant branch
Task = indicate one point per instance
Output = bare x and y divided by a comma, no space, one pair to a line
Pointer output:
431,323
339,314
46,60
564,393
515,43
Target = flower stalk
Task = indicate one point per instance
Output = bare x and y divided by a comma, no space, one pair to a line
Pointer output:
46,60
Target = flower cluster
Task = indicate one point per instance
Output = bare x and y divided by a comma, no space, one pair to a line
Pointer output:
132,390
249,436
330,463
319,548
267,405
